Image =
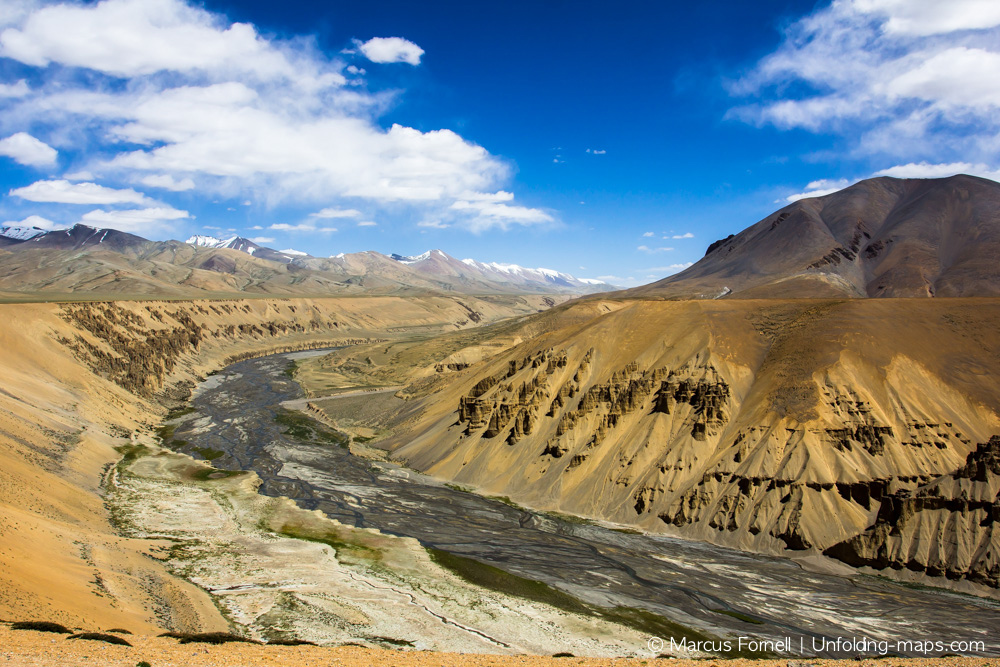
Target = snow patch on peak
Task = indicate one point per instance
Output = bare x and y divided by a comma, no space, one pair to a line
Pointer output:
20,233
515,272
209,241
404,259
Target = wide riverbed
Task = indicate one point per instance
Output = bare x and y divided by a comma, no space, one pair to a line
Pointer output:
722,592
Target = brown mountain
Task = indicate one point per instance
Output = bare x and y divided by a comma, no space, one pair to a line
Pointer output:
883,237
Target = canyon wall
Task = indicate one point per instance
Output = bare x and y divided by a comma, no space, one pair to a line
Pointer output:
863,430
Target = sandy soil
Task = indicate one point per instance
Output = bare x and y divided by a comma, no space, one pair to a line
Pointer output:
41,649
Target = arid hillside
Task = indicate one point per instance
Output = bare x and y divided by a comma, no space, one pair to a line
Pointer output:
84,382
883,237
865,430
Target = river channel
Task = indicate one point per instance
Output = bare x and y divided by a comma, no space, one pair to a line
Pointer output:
722,592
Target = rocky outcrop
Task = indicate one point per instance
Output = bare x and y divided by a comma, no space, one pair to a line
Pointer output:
136,348
901,536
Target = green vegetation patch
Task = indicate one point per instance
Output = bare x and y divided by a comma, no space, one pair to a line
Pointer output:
208,474
345,548
570,518
746,618
507,501
302,427
131,452
208,453
291,369
178,413
495,579
165,433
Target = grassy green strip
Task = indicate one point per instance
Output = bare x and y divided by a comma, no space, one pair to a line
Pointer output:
341,546
208,453
746,618
302,427
495,579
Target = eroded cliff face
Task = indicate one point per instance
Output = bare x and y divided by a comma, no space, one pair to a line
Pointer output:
82,381
804,427
961,510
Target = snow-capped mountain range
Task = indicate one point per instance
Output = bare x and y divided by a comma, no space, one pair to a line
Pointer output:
365,271
440,263
433,262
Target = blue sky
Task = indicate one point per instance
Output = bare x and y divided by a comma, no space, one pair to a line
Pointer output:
603,139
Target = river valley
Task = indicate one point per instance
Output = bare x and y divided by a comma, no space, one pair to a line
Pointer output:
236,419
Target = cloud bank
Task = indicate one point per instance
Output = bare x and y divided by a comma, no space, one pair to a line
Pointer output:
170,96
904,81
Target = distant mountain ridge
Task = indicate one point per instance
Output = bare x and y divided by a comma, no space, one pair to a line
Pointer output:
882,237
118,262
439,263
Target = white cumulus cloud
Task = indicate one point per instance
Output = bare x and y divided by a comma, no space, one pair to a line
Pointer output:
932,17
336,213
819,188
910,79
31,221
391,50
927,170
24,148
135,220
64,192
301,227
483,214
18,89
129,38
168,182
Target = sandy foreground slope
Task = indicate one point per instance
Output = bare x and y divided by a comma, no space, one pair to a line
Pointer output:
39,649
